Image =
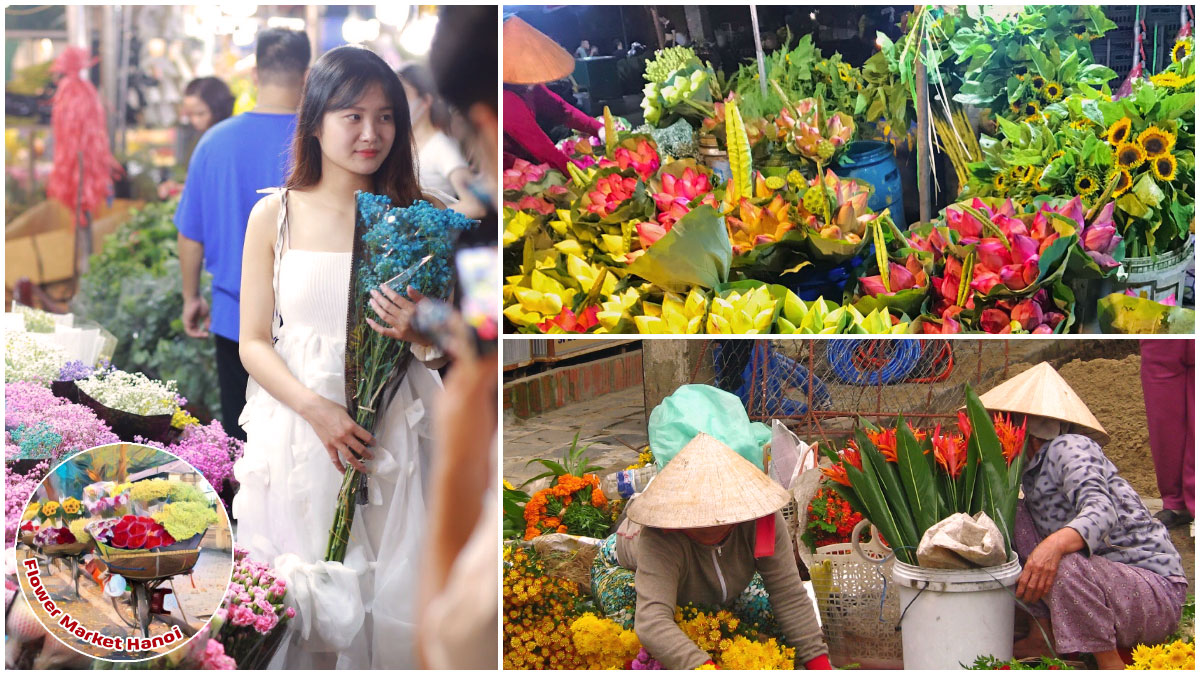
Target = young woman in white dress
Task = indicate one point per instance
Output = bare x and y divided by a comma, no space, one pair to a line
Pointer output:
353,133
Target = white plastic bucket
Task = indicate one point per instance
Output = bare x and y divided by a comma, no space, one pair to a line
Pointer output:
1158,277
948,618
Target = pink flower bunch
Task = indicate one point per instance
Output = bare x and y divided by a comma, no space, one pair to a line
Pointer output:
54,536
610,192
252,613
1099,238
523,172
18,488
210,450
215,659
643,661
674,200
643,159
1036,314
901,277
28,403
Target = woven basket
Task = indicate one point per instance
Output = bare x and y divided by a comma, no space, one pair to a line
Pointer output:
127,425
858,620
148,565
66,549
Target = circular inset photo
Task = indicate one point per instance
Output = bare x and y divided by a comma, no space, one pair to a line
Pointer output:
124,552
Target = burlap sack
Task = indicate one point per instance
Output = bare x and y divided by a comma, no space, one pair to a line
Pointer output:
962,542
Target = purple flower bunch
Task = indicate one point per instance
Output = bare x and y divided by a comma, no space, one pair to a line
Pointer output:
74,370
17,490
643,661
252,616
28,404
210,450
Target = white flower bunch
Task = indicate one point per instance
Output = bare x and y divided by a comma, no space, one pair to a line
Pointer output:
27,359
131,392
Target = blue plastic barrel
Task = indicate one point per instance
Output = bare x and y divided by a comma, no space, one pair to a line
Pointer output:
873,162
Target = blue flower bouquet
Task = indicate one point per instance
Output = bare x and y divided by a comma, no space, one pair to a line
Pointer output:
388,241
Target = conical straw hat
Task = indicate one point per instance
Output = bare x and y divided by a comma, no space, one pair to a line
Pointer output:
1042,391
530,57
706,485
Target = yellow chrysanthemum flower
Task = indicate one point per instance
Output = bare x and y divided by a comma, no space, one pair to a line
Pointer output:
1156,141
1130,156
1118,133
1164,167
71,506
49,509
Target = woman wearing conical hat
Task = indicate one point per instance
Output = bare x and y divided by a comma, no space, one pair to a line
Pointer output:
1100,573
530,60
707,531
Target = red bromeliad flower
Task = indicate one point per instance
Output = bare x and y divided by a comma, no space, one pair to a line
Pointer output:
611,191
1012,437
950,451
837,472
964,424
885,441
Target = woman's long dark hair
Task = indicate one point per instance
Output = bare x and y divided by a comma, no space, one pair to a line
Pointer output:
420,78
335,82
215,94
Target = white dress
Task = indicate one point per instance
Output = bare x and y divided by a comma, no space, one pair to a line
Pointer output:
360,614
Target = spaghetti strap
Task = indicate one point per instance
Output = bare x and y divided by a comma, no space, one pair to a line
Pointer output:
282,240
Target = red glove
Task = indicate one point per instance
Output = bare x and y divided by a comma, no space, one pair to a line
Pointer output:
819,663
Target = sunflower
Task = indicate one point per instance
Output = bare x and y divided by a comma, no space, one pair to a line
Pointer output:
1118,133
1000,182
1164,167
1171,80
1037,184
1016,109
1052,91
1156,141
1020,69
1086,183
1130,156
1030,108
1031,172
1057,154
1124,181
1016,174
1181,51
1033,118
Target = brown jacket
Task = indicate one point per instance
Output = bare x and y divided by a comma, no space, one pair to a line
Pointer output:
671,569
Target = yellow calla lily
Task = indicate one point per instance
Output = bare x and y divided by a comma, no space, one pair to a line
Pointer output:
742,313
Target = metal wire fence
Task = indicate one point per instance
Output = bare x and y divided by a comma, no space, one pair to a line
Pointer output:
820,387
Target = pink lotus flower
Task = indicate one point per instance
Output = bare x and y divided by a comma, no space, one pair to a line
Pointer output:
648,233
523,172
677,194
643,159
994,321
611,191
901,277
1028,313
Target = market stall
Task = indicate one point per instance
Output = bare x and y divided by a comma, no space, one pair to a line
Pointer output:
768,198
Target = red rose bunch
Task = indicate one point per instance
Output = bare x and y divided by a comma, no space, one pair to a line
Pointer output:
138,532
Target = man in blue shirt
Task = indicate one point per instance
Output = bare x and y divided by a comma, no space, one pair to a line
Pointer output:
234,160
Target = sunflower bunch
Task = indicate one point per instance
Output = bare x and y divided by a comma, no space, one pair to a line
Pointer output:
1151,136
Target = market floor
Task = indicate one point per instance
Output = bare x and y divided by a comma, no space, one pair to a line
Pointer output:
199,595
615,425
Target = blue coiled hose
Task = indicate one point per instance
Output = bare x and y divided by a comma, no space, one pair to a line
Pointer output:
841,355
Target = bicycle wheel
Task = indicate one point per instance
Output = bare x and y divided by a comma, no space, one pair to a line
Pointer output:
141,606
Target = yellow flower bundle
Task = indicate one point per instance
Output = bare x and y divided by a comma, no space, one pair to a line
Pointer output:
1178,655
538,611
603,643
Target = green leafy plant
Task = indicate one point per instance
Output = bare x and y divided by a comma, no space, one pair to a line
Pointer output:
904,485
575,463
514,512
133,289
1041,663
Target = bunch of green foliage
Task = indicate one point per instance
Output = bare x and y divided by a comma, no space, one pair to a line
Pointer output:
133,289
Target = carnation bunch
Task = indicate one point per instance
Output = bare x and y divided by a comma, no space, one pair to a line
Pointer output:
185,519
253,615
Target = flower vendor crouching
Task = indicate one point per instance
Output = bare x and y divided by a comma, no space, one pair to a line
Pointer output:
707,531
1100,573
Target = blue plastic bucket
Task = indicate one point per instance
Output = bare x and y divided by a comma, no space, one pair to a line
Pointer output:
874,162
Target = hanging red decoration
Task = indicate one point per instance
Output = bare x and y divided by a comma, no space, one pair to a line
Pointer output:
79,125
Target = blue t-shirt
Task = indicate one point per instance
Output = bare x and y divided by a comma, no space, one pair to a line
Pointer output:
232,161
